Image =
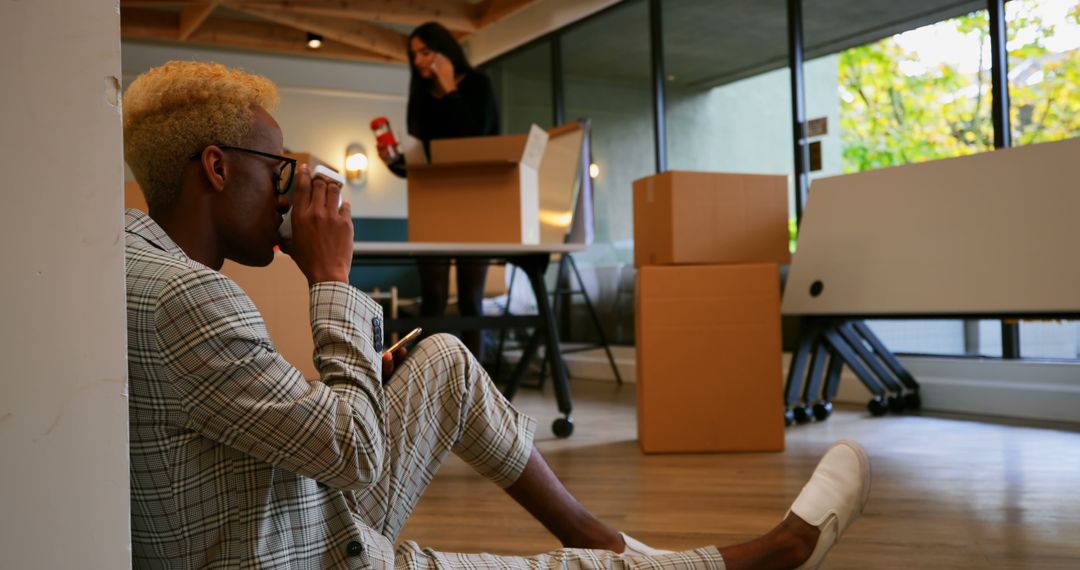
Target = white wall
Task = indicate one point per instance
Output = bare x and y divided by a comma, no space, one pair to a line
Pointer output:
993,387
63,412
325,105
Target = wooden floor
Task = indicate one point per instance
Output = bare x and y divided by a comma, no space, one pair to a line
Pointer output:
947,492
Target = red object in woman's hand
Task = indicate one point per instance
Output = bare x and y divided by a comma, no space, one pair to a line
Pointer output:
385,142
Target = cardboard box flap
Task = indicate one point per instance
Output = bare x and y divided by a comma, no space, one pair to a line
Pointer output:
526,149
560,173
534,147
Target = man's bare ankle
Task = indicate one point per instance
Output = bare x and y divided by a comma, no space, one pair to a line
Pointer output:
602,537
797,537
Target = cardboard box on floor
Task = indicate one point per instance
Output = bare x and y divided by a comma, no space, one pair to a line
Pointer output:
709,369
478,190
705,217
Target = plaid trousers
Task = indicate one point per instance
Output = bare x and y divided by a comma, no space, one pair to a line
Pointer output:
441,400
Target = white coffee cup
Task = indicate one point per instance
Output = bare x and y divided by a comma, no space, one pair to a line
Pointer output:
286,225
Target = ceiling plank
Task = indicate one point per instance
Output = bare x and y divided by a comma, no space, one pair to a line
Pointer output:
193,15
156,25
149,24
363,35
491,11
151,3
455,16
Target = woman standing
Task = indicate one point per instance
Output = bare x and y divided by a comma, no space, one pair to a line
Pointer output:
447,99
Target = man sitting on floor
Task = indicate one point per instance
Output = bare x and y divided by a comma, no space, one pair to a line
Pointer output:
238,461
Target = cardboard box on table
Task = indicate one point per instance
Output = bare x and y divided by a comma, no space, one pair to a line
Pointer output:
478,190
709,369
685,217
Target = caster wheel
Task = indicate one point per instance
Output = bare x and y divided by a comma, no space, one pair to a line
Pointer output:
877,407
913,401
802,415
789,418
896,403
563,427
822,411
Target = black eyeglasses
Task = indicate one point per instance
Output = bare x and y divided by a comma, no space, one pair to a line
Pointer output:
282,179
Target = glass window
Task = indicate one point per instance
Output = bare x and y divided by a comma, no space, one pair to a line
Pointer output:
728,106
1050,339
898,86
522,84
1044,69
1044,90
607,79
917,96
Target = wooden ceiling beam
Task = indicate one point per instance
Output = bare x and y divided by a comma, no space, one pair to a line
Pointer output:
152,3
368,37
156,25
193,15
458,17
149,24
491,11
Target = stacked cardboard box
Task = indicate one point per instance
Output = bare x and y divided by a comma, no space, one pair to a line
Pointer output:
707,247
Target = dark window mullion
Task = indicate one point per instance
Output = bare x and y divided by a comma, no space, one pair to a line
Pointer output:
999,110
656,44
798,105
558,93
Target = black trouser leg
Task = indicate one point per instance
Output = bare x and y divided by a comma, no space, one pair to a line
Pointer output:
471,276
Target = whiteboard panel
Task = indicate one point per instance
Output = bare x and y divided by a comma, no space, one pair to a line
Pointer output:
993,233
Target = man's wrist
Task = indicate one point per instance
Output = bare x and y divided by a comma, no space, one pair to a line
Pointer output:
328,278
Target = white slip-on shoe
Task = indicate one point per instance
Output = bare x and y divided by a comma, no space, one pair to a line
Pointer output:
834,496
638,549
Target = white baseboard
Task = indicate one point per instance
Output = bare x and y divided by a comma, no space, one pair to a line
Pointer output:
1008,388
1015,389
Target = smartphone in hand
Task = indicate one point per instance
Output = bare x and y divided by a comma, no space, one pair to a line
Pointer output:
404,340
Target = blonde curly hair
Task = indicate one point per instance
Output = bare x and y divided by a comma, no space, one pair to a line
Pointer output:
179,108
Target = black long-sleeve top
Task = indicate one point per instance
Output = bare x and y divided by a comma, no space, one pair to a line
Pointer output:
469,111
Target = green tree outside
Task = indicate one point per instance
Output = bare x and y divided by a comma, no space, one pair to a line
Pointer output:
889,118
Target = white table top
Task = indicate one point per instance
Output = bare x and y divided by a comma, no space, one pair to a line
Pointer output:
378,248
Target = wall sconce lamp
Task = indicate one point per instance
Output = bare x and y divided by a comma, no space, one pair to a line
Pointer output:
356,165
594,170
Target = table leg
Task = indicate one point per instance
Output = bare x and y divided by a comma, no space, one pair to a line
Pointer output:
523,364
534,267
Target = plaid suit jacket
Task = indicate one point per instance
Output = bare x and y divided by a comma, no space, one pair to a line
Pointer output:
236,460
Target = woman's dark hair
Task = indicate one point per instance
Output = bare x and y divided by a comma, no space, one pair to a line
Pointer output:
439,39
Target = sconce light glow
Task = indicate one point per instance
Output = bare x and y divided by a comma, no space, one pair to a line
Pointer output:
356,161
594,170
356,165
314,41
